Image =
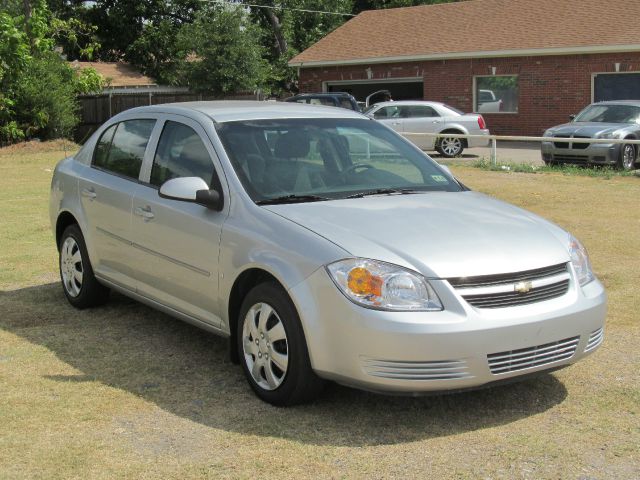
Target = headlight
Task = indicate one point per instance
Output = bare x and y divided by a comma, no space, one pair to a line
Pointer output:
548,133
613,134
383,286
580,261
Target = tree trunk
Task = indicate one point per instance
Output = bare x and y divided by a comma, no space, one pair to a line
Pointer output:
276,26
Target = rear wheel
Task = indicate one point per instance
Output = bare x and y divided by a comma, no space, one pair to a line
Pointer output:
78,281
273,349
450,147
627,158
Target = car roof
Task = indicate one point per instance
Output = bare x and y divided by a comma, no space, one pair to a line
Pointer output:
323,94
409,102
236,110
619,102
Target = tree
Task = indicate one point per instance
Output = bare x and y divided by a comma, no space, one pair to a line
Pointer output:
38,88
287,29
361,5
220,53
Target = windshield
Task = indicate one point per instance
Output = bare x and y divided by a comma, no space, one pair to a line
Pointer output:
610,114
327,158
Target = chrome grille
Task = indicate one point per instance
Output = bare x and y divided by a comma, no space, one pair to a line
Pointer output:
510,299
399,370
595,339
580,146
513,289
513,360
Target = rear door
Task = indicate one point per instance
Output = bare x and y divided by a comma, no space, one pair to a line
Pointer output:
177,243
106,194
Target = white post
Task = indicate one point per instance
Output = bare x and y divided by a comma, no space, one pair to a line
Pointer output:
494,151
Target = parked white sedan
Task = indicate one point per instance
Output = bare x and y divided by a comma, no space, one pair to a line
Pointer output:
414,118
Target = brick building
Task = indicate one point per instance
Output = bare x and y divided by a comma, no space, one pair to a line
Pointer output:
524,64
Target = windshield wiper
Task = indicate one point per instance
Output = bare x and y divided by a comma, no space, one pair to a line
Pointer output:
383,191
292,199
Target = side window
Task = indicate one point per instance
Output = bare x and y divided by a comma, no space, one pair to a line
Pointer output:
102,147
180,153
419,111
121,148
387,112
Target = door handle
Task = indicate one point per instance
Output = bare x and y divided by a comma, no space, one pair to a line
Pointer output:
436,121
145,213
395,123
90,193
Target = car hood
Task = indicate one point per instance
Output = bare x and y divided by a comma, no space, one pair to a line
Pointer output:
586,129
440,234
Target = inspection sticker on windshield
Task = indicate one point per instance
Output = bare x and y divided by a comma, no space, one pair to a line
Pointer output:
440,178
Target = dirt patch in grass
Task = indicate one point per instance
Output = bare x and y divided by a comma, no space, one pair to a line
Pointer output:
36,146
126,392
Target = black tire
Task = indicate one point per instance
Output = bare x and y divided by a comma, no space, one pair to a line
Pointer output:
450,147
299,383
88,293
627,158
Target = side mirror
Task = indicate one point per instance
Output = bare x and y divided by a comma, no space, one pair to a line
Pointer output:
572,116
191,189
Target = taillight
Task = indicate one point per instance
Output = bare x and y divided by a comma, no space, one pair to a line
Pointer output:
481,123
500,105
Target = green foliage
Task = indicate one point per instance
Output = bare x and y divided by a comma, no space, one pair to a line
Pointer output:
38,88
221,53
45,98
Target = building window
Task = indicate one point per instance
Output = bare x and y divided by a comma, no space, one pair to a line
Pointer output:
497,93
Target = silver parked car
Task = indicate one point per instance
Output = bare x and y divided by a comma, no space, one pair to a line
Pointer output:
324,246
614,120
411,117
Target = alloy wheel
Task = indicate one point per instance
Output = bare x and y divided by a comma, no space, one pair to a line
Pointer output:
628,157
265,346
451,146
71,266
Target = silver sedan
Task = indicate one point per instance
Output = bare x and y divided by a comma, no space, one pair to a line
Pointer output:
414,118
324,246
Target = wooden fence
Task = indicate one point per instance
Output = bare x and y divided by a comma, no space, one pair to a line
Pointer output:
96,109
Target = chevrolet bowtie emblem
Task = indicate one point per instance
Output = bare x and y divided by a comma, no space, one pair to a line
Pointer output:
522,287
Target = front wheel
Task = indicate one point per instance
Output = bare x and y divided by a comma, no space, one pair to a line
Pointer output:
627,158
273,349
450,147
78,281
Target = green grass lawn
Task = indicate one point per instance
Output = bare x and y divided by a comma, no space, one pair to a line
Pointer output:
126,392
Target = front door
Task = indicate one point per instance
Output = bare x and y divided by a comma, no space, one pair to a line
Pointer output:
178,242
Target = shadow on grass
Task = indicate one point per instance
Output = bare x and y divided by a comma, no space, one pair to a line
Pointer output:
186,372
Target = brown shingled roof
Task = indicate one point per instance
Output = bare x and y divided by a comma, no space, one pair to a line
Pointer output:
480,28
119,74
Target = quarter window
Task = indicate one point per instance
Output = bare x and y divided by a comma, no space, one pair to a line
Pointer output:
180,153
495,94
121,147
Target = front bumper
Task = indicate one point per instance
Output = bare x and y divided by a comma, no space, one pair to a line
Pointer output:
460,347
595,153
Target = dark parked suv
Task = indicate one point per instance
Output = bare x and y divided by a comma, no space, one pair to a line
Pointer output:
333,99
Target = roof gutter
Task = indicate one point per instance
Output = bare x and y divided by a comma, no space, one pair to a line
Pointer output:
531,52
